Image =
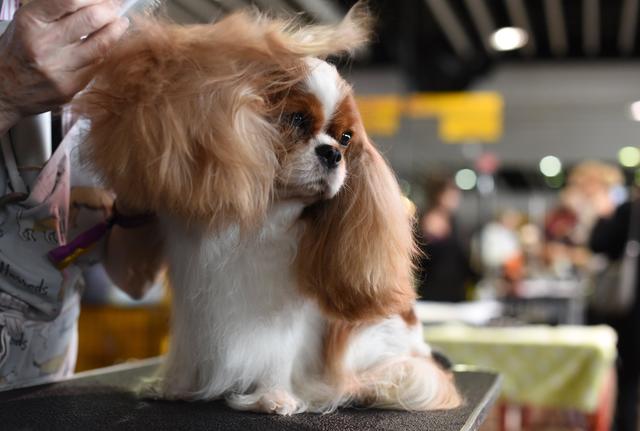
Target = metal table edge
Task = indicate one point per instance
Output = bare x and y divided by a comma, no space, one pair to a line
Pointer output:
478,415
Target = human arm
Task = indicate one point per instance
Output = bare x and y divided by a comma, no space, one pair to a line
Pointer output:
45,58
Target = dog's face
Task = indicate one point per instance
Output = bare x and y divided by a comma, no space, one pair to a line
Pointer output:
318,124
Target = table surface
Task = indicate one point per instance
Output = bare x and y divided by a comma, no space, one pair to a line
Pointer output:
545,366
104,399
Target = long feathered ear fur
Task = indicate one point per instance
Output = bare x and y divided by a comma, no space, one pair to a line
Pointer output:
183,117
356,254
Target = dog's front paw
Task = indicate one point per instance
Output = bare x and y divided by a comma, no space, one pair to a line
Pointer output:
274,400
150,388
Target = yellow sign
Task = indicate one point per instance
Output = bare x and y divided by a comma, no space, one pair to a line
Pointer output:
462,117
381,114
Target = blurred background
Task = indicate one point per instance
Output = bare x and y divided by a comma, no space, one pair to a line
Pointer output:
513,128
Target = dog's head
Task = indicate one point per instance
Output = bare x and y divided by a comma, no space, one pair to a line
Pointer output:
190,120
317,125
213,123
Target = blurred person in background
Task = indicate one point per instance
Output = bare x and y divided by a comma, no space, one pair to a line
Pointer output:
444,268
594,189
560,250
609,236
501,253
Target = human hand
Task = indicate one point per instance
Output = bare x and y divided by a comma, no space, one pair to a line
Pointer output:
45,58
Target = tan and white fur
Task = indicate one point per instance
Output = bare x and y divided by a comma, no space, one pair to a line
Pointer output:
288,245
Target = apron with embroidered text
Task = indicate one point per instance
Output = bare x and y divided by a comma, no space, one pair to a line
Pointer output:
39,305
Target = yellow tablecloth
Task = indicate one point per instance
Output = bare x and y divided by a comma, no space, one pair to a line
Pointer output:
562,367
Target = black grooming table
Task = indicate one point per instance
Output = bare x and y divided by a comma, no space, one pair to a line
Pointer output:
103,400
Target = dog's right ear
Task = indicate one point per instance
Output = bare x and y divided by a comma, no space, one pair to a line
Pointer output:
176,129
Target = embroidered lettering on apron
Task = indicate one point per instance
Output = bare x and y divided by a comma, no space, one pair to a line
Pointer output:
32,222
39,305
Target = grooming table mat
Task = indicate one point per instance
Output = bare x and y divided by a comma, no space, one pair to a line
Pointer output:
103,400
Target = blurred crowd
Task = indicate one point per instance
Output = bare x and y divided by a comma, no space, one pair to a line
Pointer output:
584,241
511,247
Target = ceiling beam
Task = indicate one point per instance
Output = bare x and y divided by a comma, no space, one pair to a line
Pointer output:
518,15
451,27
556,27
483,21
591,27
628,27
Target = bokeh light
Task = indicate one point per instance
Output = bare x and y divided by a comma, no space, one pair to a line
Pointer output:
508,39
629,157
466,179
550,166
634,109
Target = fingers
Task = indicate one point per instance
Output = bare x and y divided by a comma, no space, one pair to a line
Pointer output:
87,20
96,46
52,10
43,58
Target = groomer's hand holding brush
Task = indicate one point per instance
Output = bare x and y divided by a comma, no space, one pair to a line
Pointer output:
48,50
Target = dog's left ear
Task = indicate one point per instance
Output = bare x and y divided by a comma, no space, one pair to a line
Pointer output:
356,255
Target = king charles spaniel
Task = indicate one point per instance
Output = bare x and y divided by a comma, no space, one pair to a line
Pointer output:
288,244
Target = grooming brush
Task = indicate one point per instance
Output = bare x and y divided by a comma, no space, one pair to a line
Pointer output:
130,7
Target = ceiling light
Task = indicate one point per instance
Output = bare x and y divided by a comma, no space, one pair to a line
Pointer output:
508,39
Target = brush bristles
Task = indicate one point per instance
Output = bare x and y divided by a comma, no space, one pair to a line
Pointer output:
139,6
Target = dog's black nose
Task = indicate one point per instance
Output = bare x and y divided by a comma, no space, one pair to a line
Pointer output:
329,156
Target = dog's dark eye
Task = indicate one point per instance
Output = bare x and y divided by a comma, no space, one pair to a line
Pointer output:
346,138
298,120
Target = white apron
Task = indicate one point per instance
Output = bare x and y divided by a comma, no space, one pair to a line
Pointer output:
39,305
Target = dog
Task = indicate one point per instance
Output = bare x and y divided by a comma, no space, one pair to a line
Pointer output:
288,245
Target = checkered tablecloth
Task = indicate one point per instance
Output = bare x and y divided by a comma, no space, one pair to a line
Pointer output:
559,367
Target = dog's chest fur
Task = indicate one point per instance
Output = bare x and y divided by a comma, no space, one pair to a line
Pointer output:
236,300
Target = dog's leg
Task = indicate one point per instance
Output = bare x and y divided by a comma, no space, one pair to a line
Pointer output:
394,368
277,389
408,383
267,400
273,393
